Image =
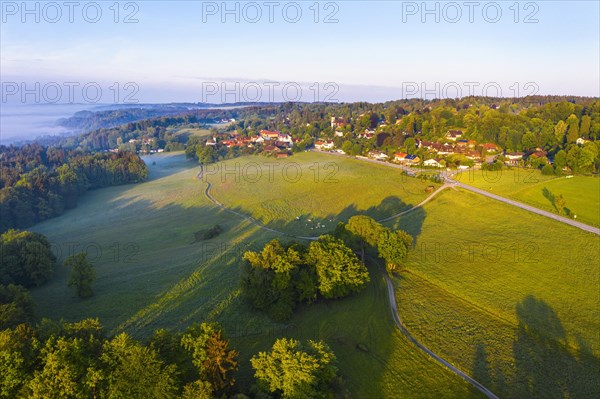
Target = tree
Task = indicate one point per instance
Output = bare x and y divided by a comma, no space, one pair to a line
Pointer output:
135,371
81,275
529,141
18,355
559,132
560,160
70,368
211,355
347,146
411,145
573,129
560,204
586,123
393,247
365,230
339,271
295,371
25,258
547,169
16,306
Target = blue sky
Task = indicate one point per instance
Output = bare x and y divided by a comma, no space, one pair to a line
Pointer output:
377,50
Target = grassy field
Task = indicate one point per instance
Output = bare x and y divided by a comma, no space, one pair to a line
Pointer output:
152,274
508,296
581,193
190,131
310,192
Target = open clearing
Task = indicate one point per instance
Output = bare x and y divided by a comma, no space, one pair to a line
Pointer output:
151,274
310,193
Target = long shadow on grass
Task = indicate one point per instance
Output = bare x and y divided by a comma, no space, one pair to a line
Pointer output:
545,365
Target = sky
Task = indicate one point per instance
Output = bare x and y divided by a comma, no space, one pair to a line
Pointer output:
198,51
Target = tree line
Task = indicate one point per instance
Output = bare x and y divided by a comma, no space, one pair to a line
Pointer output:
40,182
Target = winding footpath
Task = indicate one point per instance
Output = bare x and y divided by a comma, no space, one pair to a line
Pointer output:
390,286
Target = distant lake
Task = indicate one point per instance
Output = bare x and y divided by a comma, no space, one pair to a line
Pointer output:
28,121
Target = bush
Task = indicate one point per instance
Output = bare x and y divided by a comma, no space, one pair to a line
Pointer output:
547,170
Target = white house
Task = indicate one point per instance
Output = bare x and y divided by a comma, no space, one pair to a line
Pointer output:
324,145
380,156
432,162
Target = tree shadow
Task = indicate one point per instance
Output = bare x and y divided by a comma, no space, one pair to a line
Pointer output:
545,364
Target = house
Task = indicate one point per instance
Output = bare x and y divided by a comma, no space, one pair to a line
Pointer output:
285,138
337,122
400,156
471,143
473,155
412,159
211,142
425,144
433,163
490,147
324,145
454,135
378,155
271,148
367,134
462,143
446,149
269,135
581,141
513,158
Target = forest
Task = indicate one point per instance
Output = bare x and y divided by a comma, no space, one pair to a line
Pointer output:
39,182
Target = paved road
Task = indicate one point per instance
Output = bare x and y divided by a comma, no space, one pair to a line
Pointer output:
558,218
521,205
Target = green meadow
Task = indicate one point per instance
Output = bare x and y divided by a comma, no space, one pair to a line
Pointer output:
153,274
310,193
508,296
581,193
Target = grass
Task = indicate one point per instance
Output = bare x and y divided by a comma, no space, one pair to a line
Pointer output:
508,296
310,192
581,193
190,131
151,274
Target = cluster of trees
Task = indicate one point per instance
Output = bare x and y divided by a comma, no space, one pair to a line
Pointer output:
26,260
78,360
279,277
363,233
39,182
